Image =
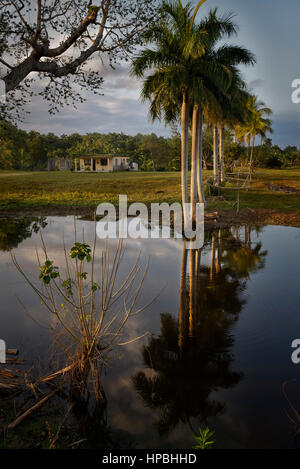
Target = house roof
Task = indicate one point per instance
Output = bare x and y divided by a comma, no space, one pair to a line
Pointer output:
87,157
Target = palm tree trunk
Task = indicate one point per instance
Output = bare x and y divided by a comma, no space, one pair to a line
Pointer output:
215,156
201,196
194,172
182,317
198,279
249,141
184,155
219,253
252,154
221,152
192,280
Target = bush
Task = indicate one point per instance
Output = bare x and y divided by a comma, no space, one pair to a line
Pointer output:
274,162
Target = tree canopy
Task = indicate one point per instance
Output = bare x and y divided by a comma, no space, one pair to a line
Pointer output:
64,42
30,150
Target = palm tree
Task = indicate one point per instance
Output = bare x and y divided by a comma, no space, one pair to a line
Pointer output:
222,101
168,88
256,124
233,112
172,84
188,74
215,95
229,109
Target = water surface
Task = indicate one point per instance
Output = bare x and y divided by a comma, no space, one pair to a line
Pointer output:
219,344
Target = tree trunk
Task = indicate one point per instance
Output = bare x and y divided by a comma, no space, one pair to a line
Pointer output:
192,305
252,154
215,156
194,162
249,141
182,317
184,155
219,253
221,153
200,188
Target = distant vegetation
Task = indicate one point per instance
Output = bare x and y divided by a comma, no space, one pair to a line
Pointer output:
30,150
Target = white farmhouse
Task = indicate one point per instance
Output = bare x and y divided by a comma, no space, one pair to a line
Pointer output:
105,164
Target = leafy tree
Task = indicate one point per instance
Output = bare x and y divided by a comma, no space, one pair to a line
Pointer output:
37,150
60,40
21,150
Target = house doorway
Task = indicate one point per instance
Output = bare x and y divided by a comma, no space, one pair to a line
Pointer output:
94,165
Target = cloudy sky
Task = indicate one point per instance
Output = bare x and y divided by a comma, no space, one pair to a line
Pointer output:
269,28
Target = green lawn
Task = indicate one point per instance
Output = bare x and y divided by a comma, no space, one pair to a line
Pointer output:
25,190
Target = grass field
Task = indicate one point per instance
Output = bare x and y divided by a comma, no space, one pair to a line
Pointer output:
25,190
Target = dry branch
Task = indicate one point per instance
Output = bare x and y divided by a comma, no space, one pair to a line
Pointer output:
28,412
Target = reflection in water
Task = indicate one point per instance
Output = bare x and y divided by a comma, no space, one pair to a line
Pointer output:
204,358
14,231
88,321
242,258
89,420
192,358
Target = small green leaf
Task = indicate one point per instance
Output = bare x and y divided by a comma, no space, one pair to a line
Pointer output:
202,440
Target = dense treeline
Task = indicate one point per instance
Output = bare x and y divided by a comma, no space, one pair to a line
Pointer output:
30,150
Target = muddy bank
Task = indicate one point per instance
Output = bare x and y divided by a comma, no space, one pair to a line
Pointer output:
253,217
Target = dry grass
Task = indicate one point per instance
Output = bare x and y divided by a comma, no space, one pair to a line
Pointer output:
42,190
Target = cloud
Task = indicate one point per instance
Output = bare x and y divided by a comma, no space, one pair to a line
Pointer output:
118,110
253,84
287,128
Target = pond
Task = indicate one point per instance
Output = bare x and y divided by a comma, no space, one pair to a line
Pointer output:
218,349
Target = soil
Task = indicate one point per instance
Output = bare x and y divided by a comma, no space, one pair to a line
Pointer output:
282,188
253,217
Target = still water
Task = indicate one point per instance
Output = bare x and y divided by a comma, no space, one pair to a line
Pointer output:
218,348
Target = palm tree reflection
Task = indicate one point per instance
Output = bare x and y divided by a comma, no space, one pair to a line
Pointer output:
192,357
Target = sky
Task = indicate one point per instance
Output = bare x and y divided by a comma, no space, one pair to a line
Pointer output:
269,28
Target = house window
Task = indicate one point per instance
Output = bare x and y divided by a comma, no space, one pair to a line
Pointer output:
87,162
103,161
